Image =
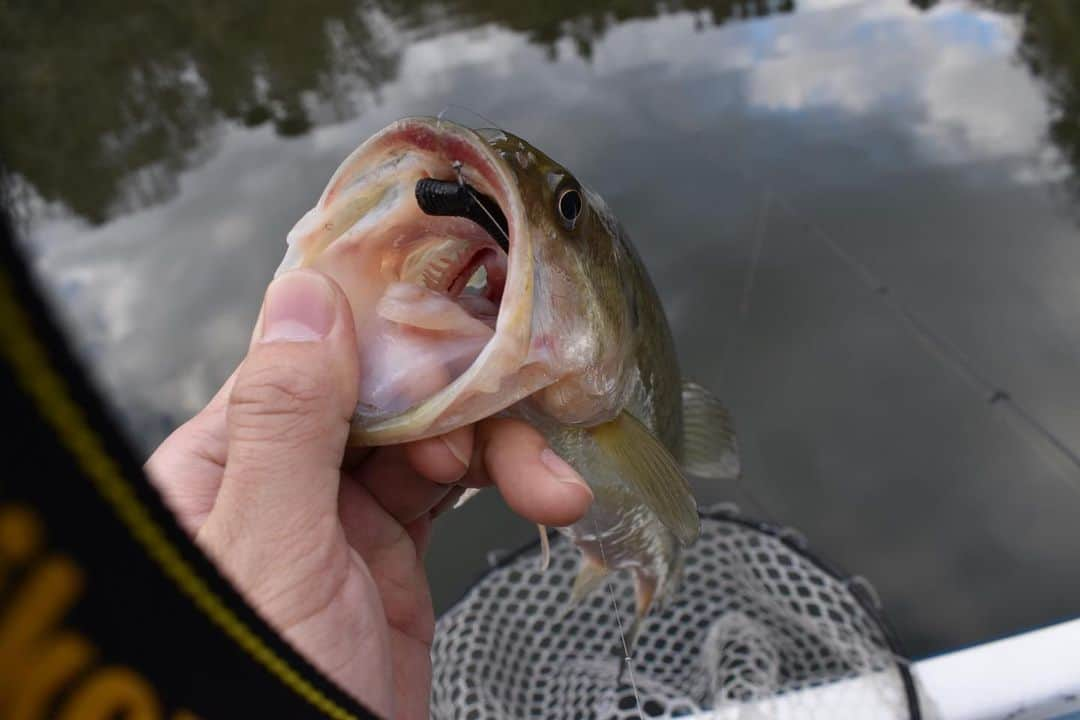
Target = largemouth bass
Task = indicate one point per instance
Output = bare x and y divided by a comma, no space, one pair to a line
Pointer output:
484,279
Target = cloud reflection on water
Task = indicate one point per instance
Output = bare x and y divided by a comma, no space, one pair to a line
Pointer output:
914,139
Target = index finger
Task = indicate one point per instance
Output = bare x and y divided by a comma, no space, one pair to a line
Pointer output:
535,482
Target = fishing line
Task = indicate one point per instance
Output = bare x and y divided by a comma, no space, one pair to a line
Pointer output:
759,241
742,310
945,351
627,656
447,106
487,212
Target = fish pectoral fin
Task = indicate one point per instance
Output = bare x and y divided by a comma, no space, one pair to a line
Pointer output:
709,446
649,468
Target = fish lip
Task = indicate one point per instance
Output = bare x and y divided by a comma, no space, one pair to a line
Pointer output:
506,353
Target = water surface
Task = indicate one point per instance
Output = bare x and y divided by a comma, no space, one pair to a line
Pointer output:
860,216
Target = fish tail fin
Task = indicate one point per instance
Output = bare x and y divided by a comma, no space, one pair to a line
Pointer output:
709,446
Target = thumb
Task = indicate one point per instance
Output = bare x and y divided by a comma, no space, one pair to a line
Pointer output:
287,425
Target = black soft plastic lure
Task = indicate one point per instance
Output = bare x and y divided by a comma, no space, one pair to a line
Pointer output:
459,199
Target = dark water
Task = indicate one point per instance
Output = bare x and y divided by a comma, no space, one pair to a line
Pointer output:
861,217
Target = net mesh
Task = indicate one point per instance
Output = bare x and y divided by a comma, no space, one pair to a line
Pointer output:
758,629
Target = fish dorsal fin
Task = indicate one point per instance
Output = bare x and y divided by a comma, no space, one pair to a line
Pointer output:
644,463
709,446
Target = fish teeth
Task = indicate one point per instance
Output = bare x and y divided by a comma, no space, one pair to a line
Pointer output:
431,265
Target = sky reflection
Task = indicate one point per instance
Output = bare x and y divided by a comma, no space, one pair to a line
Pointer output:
919,142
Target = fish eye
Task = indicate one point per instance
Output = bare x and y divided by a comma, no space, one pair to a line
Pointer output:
569,206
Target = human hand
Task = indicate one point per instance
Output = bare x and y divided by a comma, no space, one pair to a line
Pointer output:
333,558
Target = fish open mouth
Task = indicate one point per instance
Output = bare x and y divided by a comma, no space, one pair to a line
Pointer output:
424,229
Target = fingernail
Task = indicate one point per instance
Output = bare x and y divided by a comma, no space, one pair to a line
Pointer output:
299,308
456,444
561,469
